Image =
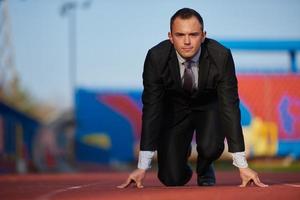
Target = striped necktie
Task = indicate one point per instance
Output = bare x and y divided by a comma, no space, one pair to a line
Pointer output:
188,77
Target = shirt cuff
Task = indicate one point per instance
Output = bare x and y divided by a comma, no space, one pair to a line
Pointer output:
239,159
145,158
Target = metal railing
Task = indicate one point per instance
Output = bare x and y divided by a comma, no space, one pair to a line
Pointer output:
291,46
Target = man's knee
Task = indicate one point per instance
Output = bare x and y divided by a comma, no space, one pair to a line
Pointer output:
171,178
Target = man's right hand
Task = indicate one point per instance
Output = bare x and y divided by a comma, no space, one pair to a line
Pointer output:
248,175
135,177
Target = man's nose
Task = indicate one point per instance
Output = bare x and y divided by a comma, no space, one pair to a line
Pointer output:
187,39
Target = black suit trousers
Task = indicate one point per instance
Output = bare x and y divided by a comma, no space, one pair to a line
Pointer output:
175,143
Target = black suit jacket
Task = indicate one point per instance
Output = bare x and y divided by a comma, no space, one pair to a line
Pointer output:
166,103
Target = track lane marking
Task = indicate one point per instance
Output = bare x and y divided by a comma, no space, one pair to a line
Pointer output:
292,185
48,196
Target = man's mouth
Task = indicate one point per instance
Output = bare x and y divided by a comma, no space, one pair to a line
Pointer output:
187,49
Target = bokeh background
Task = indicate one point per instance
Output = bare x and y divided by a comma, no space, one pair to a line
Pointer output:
70,78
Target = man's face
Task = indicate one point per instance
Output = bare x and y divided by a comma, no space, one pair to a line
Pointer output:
186,36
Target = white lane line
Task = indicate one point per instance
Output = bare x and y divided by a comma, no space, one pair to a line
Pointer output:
55,192
281,183
291,185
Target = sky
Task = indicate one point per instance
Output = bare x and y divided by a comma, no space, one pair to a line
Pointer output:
113,37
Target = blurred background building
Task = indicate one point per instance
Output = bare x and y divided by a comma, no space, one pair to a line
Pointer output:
70,77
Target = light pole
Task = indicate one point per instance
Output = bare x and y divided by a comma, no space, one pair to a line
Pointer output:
69,9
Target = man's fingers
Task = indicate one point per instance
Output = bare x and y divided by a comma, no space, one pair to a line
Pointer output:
258,183
244,183
126,184
139,184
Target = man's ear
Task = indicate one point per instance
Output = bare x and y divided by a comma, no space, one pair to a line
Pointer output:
170,37
204,36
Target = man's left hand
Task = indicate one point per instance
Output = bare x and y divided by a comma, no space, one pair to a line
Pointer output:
248,175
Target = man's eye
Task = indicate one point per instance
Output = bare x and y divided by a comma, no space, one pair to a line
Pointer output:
195,34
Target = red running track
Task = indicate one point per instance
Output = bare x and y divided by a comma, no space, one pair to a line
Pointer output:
102,185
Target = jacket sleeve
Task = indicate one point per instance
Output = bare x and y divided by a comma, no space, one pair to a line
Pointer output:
152,99
229,106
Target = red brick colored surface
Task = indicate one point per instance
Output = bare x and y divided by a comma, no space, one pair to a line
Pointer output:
102,185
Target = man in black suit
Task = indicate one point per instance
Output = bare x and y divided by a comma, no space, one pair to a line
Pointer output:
189,86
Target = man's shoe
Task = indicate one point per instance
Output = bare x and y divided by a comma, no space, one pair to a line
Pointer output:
207,178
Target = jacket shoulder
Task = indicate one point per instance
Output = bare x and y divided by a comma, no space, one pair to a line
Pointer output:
160,53
217,52
215,46
161,49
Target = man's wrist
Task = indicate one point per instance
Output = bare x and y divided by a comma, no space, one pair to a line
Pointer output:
239,159
145,158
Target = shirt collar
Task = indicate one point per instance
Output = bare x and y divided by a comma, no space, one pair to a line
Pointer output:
195,59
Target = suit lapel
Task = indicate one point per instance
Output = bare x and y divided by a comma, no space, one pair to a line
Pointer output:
174,68
203,68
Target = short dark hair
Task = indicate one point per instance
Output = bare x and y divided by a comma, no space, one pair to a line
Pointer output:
186,13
